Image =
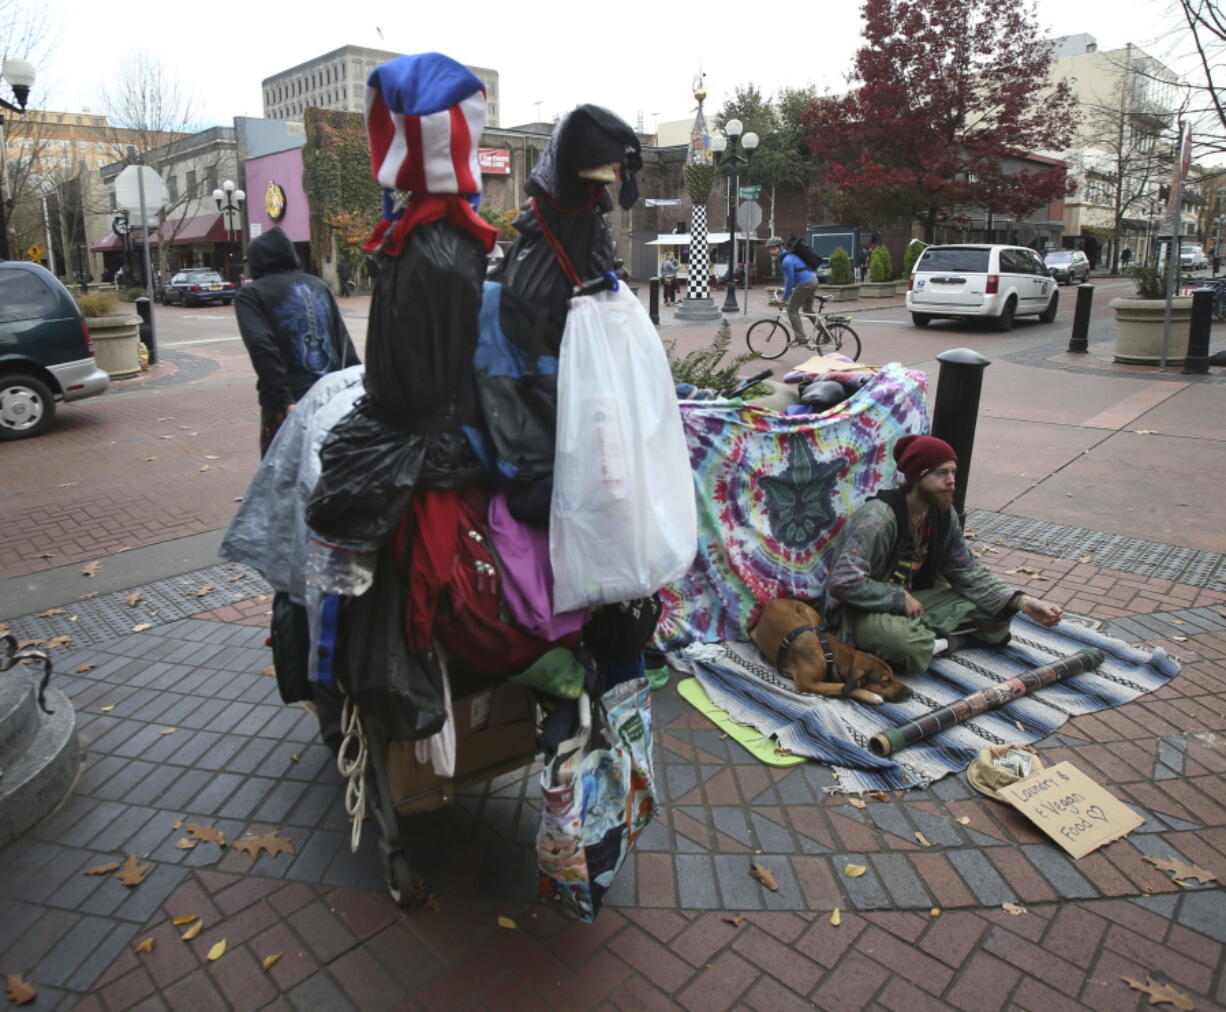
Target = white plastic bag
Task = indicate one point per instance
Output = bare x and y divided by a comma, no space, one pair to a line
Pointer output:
622,521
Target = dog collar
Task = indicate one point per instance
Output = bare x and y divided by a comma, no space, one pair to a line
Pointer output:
794,635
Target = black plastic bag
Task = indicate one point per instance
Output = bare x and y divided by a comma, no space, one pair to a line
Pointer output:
400,691
423,322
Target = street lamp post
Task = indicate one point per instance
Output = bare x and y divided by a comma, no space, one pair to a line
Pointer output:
230,203
730,160
20,76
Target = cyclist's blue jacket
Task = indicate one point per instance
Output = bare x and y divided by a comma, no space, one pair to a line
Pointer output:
795,272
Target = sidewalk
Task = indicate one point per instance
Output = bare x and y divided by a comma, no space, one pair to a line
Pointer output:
685,926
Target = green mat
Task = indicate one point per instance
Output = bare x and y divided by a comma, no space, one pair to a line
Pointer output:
754,741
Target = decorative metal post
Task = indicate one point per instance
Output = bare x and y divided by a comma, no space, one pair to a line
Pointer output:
1079,341
727,156
654,301
1197,359
697,304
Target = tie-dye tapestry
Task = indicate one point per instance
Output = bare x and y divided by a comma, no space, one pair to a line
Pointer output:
773,491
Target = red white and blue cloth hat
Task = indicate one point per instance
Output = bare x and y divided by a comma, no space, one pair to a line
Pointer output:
424,117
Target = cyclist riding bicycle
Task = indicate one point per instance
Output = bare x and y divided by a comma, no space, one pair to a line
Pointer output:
799,284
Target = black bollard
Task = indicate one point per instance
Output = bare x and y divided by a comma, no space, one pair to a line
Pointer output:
1079,341
147,334
1197,360
654,301
957,409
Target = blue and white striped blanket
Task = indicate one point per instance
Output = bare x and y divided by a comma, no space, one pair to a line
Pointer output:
837,731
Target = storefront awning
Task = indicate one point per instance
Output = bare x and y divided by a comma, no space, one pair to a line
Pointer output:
109,243
201,228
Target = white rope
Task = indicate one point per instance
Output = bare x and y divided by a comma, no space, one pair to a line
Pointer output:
353,769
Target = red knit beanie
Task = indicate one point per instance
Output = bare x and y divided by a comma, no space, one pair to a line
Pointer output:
917,455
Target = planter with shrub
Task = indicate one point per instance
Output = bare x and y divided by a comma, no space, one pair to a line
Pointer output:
879,284
842,287
1139,321
116,334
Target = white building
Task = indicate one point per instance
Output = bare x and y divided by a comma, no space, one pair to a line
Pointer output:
337,80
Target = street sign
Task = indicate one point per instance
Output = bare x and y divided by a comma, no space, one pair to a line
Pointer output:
128,187
749,192
35,252
749,215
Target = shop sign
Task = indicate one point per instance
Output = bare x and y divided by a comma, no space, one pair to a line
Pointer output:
494,161
274,201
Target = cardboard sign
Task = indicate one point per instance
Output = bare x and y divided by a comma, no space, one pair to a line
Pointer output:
1071,808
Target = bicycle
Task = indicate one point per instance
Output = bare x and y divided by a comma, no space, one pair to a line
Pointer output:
771,338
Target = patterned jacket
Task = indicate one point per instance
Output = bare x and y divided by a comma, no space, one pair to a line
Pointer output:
866,559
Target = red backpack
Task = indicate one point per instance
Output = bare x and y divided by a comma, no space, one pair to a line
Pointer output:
455,594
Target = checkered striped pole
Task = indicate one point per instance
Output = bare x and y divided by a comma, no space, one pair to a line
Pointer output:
700,256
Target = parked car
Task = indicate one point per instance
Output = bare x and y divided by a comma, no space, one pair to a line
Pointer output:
1192,258
993,281
46,353
1068,265
197,286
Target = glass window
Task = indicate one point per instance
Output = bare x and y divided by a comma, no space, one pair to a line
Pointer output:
1014,261
24,296
974,261
1059,258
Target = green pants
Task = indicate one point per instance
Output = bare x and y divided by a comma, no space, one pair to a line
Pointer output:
906,643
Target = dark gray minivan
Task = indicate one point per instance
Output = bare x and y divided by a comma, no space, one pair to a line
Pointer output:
46,354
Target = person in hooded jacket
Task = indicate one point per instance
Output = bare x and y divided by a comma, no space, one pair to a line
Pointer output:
292,328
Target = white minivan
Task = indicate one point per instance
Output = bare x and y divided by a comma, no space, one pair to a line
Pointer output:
997,282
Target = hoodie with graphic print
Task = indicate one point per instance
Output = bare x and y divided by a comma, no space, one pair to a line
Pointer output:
289,322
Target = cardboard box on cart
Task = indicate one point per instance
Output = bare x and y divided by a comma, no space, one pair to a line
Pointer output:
495,732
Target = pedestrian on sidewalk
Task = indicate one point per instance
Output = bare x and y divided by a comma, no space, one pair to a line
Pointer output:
292,329
668,279
1126,258
346,276
881,592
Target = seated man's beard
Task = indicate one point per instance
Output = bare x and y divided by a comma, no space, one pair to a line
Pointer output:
936,498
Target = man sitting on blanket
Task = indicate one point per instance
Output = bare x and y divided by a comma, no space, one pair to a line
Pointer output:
881,591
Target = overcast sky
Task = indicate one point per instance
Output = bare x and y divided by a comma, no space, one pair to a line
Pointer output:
637,58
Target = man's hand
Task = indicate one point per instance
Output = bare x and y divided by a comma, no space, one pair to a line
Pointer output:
1043,612
912,605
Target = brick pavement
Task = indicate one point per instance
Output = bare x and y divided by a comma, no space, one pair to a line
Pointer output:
240,761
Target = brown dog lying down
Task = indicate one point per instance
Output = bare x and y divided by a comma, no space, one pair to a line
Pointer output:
790,636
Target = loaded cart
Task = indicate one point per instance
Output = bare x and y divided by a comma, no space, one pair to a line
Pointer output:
467,534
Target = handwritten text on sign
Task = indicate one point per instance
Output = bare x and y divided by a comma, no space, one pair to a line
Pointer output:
1071,808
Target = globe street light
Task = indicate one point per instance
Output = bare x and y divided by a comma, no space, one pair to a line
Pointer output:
730,160
229,203
20,76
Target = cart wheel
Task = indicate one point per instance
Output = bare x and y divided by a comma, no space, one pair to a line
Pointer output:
406,888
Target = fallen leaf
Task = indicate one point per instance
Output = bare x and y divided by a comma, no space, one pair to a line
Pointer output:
102,869
271,842
106,709
168,418
84,668
58,641
854,870
1145,432
132,872
182,919
1180,639
142,627
217,951
133,599
207,467
67,484
46,555
294,756
1180,870
734,921
1018,725
964,820
194,930
147,945
270,961
1014,909
836,918
178,823
879,795
922,839
235,577
168,730
121,549
764,875
1178,621
206,589
934,912
211,456
1147,888
506,922
150,460
1086,558
185,844
50,611
206,833
192,433
1161,994
26,644
856,803
91,568
91,594
20,990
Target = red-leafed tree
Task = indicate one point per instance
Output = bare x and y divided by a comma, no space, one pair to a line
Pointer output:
945,94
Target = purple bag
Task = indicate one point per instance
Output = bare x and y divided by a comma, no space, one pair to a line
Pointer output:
527,579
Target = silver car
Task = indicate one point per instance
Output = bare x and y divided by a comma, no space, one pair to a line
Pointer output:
1192,258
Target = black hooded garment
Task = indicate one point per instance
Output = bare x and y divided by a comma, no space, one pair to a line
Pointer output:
289,322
